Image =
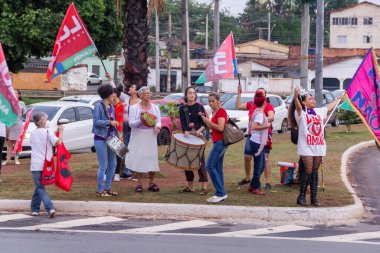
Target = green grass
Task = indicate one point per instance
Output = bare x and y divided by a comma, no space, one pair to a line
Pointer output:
17,182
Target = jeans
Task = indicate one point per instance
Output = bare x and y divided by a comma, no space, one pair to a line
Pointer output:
40,194
214,167
258,166
127,137
107,161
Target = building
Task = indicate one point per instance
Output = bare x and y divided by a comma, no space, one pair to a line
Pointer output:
355,26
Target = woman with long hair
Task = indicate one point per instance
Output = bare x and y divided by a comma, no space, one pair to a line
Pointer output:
214,162
311,146
191,122
14,131
119,114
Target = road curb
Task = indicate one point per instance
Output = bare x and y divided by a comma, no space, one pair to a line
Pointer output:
240,214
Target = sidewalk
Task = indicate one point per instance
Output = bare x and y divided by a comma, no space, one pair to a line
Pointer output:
277,215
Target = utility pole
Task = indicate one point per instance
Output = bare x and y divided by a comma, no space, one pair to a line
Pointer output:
305,37
206,39
170,47
158,72
319,52
215,84
185,44
269,30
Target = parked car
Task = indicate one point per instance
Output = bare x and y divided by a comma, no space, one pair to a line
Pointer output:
86,99
164,137
202,98
328,97
203,89
240,117
227,95
337,93
93,79
76,117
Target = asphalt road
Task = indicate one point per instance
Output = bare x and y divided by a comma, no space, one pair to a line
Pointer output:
24,233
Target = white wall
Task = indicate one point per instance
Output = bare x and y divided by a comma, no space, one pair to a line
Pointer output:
342,70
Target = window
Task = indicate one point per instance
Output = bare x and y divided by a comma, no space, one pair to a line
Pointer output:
96,69
367,21
367,39
273,101
335,21
69,114
84,113
354,21
342,39
345,21
346,82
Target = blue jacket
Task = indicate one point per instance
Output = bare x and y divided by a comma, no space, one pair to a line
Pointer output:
101,120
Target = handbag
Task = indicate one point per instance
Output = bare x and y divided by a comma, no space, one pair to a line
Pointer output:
232,133
48,171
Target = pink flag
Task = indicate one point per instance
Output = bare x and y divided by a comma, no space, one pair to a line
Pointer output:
9,108
364,93
223,65
18,146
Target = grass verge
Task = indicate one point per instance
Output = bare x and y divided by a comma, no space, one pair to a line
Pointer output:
17,182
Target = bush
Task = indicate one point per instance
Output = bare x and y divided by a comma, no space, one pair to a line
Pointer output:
347,117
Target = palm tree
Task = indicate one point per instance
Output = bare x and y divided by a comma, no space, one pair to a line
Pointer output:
136,39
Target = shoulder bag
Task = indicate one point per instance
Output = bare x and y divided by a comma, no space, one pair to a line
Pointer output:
48,171
232,133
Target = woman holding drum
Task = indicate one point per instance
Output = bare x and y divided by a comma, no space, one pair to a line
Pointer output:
191,122
215,160
145,123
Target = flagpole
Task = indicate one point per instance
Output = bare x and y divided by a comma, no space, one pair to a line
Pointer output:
332,112
100,57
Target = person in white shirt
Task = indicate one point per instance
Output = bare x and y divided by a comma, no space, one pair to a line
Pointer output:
42,142
311,145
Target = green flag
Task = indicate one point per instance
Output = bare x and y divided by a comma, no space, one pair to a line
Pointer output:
346,106
201,79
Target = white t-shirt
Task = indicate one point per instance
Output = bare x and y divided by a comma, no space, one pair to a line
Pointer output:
256,134
311,136
38,138
3,130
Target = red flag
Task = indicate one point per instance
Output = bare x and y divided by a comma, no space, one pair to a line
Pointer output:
223,65
72,44
9,108
64,178
18,146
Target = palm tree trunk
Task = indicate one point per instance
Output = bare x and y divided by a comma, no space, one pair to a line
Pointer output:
136,43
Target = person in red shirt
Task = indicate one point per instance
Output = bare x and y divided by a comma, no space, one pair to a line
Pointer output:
269,113
119,115
214,162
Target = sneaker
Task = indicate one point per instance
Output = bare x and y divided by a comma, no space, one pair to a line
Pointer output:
51,213
244,181
17,162
35,214
216,199
268,186
5,162
258,192
116,178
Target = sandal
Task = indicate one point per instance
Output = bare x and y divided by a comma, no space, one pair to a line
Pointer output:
153,188
111,192
139,188
203,192
186,189
102,194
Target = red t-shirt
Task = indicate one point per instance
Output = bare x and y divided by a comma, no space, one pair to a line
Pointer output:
217,135
119,114
252,107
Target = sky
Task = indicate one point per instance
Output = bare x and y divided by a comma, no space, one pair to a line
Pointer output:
235,6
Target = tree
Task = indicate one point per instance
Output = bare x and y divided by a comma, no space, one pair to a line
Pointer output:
28,28
136,40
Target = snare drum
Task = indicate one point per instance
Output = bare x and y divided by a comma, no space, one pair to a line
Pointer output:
185,152
117,146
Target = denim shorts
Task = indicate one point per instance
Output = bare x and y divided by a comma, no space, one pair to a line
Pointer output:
248,150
